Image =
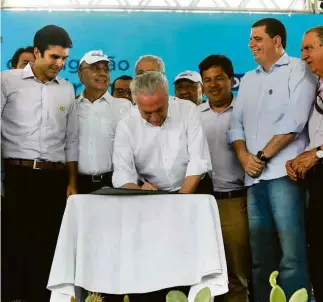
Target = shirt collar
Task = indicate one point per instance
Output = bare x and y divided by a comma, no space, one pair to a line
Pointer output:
106,97
28,73
283,60
207,106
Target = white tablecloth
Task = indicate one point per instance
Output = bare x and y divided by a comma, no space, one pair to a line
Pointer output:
138,244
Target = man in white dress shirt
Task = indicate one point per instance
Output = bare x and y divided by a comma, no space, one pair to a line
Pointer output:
162,143
40,150
98,115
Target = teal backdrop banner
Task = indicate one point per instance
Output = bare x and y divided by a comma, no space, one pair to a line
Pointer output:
182,40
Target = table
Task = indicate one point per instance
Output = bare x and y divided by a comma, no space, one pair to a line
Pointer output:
138,244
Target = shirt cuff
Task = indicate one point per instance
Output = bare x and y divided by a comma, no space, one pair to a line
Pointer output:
198,167
286,127
120,178
236,135
72,154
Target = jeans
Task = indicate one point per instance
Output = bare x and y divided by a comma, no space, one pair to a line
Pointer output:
277,236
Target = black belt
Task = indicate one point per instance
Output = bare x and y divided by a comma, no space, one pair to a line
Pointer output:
97,177
231,194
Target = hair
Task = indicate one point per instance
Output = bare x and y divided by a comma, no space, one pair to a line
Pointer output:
274,28
15,58
51,35
158,60
123,77
148,83
318,30
217,61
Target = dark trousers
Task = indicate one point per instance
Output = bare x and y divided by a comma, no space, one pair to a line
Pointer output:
205,186
314,181
87,184
31,217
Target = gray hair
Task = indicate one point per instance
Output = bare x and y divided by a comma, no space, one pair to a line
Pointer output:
158,60
148,83
318,30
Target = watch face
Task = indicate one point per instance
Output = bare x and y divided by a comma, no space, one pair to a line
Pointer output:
319,154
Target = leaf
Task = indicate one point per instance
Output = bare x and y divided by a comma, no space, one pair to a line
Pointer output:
204,295
176,296
277,294
273,278
126,298
299,296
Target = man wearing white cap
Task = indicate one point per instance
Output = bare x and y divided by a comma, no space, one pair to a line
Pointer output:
98,114
188,86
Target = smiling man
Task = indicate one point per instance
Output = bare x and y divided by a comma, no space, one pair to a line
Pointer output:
227,173
98,114
268,128
309,165
188,86
40,151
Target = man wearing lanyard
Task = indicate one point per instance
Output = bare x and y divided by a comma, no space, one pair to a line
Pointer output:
98,115
227,173
40,151
309,165
268,128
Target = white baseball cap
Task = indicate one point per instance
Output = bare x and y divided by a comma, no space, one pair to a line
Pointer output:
94,56
189,75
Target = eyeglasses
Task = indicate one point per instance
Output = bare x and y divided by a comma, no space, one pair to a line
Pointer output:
97,68
123,91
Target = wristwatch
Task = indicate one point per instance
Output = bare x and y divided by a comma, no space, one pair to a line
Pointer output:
262,157
319,153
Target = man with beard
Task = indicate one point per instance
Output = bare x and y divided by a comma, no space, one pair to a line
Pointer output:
98,115
40,151
309,164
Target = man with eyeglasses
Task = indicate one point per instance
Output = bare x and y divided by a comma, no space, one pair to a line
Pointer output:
98,115
188,86
120,88
309,164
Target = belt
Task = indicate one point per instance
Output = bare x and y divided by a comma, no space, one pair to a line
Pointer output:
231,194
97,177
35,164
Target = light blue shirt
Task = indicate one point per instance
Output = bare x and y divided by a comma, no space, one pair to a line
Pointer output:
274,103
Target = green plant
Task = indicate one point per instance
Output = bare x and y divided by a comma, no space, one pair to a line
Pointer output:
204,295
277,294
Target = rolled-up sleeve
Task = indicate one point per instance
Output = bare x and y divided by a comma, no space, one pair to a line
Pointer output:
124,170
199,155
302,86
72,132
236,129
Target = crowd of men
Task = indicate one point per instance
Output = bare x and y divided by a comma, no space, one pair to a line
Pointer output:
258,153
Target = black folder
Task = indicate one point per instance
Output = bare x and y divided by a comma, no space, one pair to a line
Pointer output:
123,191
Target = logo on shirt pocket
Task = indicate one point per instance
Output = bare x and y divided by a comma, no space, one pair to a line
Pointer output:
61,108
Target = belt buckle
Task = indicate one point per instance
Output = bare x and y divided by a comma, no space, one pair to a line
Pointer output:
35,165
95,179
